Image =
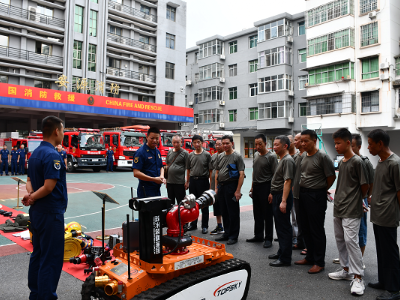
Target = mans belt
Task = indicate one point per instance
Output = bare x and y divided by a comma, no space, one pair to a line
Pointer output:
227,182
198,178
306,190
261,183
277,192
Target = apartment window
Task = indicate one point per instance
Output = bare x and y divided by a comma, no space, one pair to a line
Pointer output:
75,81
196,98
302,55
232,47
115,30
370,101
114,63
92,58
274,83
42,48
43,10
333,41
369,34
273,110
253,41
3,40
370,68
196,57
171,13
329,11
302,28
93,23
170,42
211,71
302,82
276,56
196,119
232,115
210,94
253,89
94,1
331,73
210,48
233,70
77,55
331,105
233,93
253,66
42,84
368,5
397,66
169,98
92,86
302,109
78,19
143,69
186,101
271,30
253,113
3,79
144,98
196,77
144,39
169,70
145,9
210,116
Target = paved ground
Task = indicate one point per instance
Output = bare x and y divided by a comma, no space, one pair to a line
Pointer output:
267,282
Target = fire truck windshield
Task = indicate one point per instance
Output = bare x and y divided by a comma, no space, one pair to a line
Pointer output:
91,141
32,145
167,140
133,139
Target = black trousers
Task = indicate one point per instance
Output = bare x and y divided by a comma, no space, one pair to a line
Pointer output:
313,206
262,212
387,252
300,236
217,207
197,187
283,226
176,192
230,209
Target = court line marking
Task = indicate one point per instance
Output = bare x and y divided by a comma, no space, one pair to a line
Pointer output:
8,244
98,212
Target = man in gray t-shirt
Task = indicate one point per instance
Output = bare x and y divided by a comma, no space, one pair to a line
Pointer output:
176,162
216,207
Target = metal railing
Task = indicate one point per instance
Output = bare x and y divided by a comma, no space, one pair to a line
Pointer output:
132,11
130,74
31,15
31,56
130,42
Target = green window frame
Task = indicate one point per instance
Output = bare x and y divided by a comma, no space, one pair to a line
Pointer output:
92,86
331,73
370,68
93,23
253,41
233,48
253,65
92,58
302,55
302,109
302,28
398,67
94,1
253,113
78,19
233,93
369,34
232,115
77,55
74,81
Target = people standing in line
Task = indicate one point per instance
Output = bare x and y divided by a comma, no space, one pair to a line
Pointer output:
219,229
175,174
21,160
5,159
198,178
264,167
14,161
385,214
281,197
48,199
110,159
317,176
298,157
148,167
62,153
295,227
229,177
352,186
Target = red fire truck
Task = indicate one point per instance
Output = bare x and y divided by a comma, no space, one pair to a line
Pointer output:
85,149
124,142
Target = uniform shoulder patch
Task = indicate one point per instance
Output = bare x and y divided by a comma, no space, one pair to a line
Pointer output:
57,164
136,160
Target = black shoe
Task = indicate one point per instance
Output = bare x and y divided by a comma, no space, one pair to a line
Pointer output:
191,228
278,263
275,240
267,244
231,242
222,239
204,230
389,296
273,256
254,240
376,285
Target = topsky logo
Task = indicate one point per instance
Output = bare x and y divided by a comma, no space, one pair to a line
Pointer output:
227,287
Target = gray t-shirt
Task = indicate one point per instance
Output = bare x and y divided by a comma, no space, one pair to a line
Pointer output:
198,164
370,169
176,171
213,165
315,169
296,181
384,205
264,167
348,196
285,170
223,162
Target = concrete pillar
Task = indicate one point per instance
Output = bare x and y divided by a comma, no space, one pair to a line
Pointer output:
237,140
33,124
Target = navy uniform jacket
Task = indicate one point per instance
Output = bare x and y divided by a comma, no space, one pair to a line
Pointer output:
45,163
21,153
4,154
63,154
14,155
110,154
149,162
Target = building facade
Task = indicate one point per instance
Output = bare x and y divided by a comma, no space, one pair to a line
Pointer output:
127,49
353,68
250,82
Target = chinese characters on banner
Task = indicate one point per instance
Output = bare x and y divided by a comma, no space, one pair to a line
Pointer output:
83,85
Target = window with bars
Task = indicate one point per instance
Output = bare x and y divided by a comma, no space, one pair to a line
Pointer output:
333,41
302,28
169,98
171,13
302,55
211,71
331,73
170,41
330,105
253,89
397,66
93,23
92,58
370,101
210,48
253,41
273,110
233,47
232,115
271,30
77,55
42,84
369,34
233,93
370,68
274,83
329,11
233,70
368,5
275,56
78,19
169,70
210,94
302,109
253,66
302,82
210,116
253,113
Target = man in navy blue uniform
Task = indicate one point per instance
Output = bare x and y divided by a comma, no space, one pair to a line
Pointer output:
62,153
148,167
21,160
14,161
47,188
110,160
5,158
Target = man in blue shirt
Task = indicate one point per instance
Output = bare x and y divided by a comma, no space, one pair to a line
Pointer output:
110,160
147,166
47,188
21,160
14,161
5,158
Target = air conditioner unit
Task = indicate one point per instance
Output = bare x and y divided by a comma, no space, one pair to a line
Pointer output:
118,7
222,56
147,78
385,77
190,103
141,77
384,65
372,15
147,17
291,93
291,120
221,125
290,39
147,47
110,71
195,126
33,16
188,82
222,102
222,79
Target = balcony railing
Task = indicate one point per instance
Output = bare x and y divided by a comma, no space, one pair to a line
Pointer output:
31,15
130,42
132,11
130,74
30,56
332,105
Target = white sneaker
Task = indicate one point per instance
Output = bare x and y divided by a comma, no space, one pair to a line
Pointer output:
357,286
341,274
336,261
